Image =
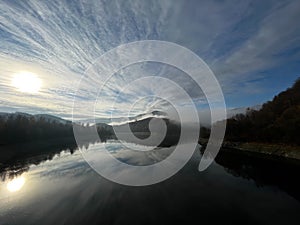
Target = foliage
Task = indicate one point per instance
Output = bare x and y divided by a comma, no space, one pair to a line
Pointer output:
17,128
278,121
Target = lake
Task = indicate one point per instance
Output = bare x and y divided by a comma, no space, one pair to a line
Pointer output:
58,187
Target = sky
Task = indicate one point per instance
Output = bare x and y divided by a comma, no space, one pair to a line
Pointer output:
252,47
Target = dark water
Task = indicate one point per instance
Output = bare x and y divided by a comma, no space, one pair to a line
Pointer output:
61,188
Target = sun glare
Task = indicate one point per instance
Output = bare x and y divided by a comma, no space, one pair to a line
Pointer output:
27,82
15,184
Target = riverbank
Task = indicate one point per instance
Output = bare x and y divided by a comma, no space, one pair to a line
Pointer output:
281,150
271,149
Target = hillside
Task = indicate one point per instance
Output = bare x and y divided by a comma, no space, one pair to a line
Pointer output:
278,121
140,129
23,127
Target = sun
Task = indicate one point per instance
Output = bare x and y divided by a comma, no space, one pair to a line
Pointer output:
15,184
27,82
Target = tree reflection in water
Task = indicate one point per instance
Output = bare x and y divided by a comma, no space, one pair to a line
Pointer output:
276,172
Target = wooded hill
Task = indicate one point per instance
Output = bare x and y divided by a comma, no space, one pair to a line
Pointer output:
278,121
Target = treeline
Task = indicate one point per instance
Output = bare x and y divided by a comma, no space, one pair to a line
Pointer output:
21,128
278,121
17,128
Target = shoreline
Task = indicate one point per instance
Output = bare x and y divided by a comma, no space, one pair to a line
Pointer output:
256,148
279,150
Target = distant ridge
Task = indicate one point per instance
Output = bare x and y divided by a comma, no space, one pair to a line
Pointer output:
22,127
46,117
124,120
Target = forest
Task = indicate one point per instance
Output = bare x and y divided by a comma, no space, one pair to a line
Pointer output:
278,121
18,128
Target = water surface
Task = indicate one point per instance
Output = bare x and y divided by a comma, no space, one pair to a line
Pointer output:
61,188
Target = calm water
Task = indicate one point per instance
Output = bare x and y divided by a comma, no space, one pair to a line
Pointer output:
60,188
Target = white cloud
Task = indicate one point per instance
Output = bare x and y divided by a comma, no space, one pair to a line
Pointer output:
59,40
278,32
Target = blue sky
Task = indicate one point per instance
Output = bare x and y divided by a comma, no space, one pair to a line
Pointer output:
252,47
